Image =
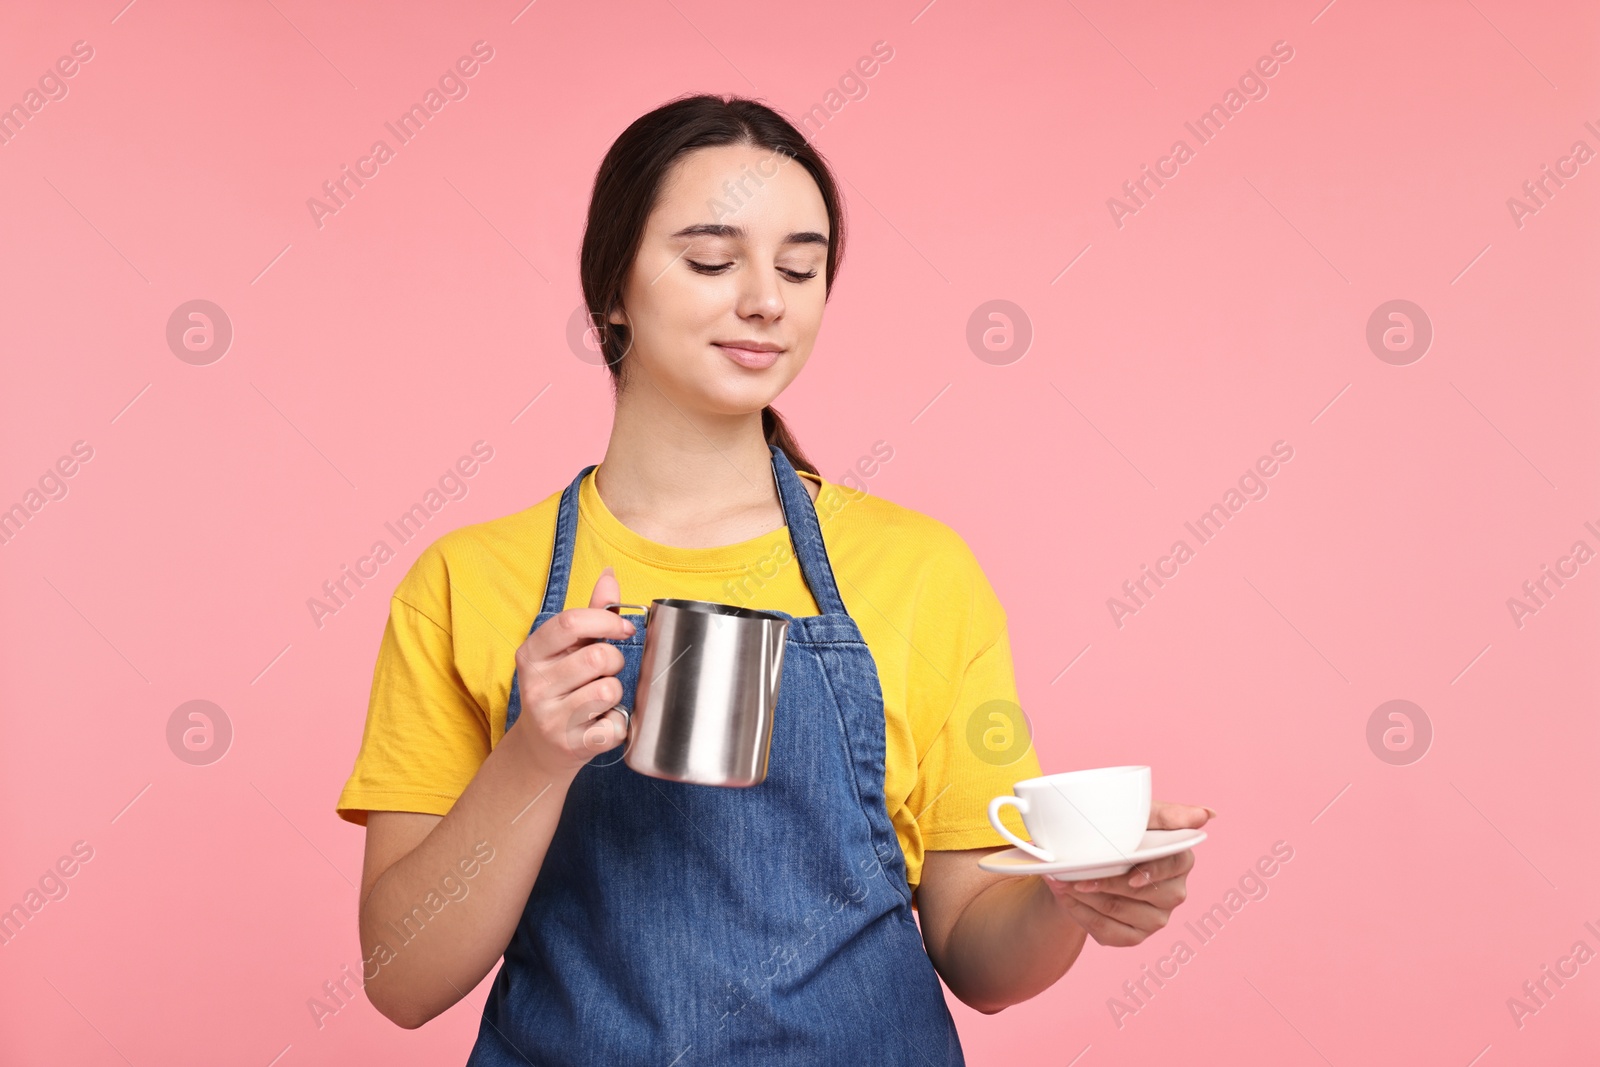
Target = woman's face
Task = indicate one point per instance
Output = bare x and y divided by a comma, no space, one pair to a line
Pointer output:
735,251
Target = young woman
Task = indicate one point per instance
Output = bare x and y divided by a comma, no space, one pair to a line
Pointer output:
648,921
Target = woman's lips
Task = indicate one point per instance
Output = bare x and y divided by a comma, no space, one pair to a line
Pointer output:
747,358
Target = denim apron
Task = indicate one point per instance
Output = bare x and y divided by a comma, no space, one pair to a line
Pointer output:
677,924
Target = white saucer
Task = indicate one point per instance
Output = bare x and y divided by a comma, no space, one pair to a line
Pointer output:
1154,845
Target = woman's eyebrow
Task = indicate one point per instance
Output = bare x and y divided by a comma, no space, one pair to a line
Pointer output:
739,233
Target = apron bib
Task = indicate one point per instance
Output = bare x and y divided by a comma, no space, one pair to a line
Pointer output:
690,924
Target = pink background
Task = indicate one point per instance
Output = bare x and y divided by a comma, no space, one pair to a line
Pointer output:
1228,313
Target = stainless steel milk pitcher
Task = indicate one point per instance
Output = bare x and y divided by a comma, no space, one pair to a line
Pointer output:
707,692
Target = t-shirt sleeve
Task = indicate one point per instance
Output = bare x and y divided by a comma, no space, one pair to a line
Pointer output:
425,735
984,745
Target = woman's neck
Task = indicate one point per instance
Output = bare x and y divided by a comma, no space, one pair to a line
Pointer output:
687,479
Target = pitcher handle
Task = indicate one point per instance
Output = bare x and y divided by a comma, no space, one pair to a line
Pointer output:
627,713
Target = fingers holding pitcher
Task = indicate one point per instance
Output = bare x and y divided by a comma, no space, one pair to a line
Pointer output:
569,703
591,714
566,672
607,731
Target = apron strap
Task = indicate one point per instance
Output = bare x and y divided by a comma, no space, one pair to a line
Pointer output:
805,534
555,587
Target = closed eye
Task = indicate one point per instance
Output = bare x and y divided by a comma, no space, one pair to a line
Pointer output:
718,268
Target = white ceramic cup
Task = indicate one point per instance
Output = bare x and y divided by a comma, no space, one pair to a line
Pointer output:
1088,816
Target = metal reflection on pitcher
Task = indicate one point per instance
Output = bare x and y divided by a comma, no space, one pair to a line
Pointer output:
707,692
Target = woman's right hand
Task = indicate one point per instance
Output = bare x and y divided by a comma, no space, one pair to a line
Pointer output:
566,672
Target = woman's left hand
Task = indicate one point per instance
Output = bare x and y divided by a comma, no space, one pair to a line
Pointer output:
1125,909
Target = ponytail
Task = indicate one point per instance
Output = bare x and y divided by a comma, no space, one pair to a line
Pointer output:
777,433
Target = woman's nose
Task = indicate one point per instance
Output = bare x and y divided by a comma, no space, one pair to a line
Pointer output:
760,295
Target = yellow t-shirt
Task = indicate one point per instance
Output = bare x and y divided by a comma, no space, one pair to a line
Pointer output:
930,618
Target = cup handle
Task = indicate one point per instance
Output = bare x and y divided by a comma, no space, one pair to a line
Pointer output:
994,819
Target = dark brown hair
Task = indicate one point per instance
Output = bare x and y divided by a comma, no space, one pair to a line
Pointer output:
628,185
